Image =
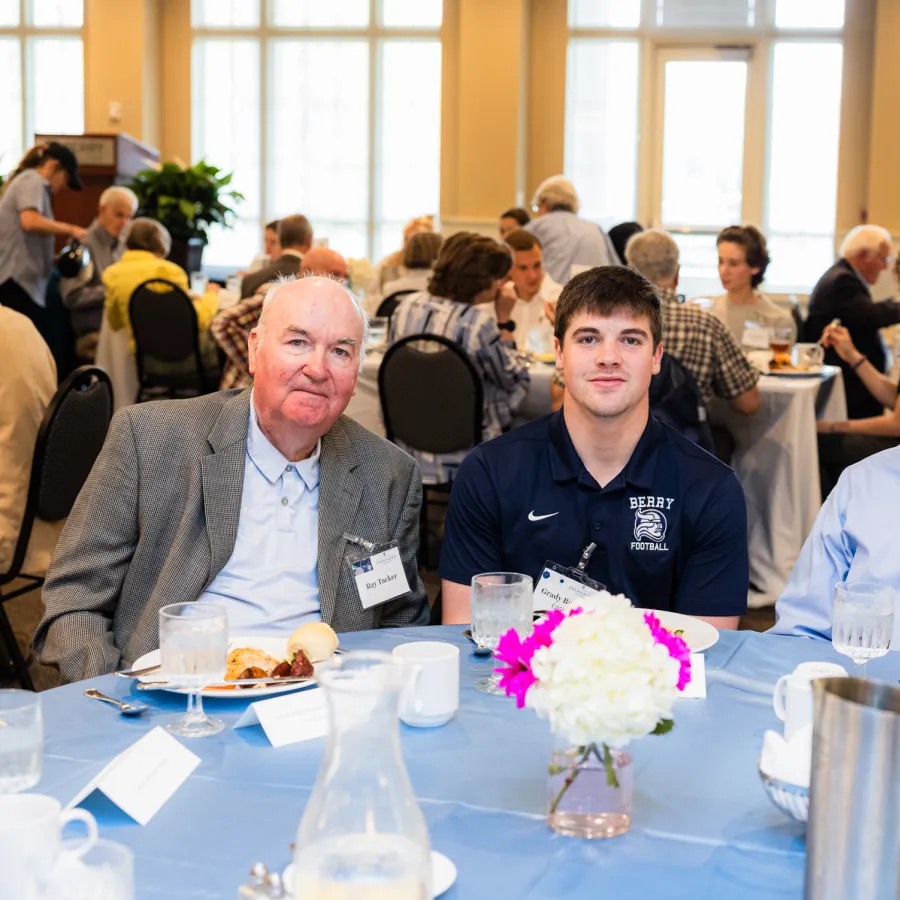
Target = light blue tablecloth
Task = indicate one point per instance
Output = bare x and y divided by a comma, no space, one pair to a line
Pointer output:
702,826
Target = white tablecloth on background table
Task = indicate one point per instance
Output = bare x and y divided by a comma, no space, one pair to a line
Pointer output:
365,407
115,357
777,461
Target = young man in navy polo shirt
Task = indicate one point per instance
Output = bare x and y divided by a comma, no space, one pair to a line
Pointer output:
668,519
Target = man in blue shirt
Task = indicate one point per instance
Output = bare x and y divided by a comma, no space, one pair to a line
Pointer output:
669,520
852,540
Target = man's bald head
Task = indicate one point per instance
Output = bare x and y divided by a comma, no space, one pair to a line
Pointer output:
324,261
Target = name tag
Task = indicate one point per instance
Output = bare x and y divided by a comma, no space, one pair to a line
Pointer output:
560,587
756,337
379,577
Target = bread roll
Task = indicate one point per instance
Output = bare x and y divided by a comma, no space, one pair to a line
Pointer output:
316,639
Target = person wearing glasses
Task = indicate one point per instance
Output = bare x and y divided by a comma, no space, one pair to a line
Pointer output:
843,293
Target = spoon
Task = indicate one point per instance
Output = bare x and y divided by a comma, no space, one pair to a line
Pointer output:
480,649
126,709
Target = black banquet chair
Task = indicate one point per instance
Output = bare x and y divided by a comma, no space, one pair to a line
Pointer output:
70,437
164,324
432,399
388,306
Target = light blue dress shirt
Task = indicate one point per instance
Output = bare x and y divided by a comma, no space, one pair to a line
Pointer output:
853,540
270,584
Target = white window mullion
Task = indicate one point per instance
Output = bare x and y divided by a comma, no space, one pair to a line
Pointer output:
373,198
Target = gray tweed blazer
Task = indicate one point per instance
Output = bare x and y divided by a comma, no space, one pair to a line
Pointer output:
157,519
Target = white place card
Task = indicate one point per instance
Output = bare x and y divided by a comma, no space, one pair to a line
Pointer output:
289,718
143,777
696,687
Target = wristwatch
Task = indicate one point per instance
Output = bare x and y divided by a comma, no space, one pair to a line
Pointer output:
507,326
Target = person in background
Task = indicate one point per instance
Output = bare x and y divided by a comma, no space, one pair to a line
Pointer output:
534,290
85,295
466,304
418,258
743,259
391,267
27,228
232,326
852,540
567,240
843,293
271,248
295,236
696,338
841,444
512,220
620,235
27,385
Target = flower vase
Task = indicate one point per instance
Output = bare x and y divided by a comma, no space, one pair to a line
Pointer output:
589,791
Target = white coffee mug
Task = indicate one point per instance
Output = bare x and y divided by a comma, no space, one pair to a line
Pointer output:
809,354
793,699
31,827
432,695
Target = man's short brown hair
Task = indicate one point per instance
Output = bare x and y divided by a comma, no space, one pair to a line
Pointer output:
422,250
604,291
295,231
521,240
467,265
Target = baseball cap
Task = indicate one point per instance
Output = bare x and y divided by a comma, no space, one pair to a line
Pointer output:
66,158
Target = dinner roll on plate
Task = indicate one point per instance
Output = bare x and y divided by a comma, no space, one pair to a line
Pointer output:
316,639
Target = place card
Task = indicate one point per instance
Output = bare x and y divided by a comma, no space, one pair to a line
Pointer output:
696,687
289,718
143,777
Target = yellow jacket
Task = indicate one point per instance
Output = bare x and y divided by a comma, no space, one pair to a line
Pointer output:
133,269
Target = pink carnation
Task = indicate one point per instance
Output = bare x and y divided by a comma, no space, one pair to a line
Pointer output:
676,646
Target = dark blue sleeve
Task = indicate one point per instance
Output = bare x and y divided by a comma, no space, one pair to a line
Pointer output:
716,576
472,528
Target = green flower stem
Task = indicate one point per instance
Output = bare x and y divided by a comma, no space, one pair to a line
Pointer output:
612,779
586,753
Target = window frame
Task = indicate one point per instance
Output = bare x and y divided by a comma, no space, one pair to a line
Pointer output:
374,35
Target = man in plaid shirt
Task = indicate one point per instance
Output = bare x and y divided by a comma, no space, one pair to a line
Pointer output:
696,338
232,326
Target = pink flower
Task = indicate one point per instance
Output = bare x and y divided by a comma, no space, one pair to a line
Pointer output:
516,677
676,646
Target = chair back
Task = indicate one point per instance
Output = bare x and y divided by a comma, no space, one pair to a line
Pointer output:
432,397
676,400
69,440
797,316
164,324
390,303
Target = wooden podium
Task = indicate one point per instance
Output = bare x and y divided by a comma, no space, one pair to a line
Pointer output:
103,160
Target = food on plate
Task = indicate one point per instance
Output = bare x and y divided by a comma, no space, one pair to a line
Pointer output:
253,672
301,667
282,670
316,639
547,357
246,658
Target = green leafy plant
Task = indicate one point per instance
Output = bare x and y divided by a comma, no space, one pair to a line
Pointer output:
186,199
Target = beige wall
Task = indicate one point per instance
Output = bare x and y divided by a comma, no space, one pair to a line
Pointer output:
884,171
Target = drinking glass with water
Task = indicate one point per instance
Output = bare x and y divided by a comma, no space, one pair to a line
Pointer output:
21,741
863,620
193,652
500,601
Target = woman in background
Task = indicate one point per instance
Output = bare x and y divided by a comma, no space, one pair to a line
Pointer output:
512,220
271,248
391,267
743,260
418,259
27,228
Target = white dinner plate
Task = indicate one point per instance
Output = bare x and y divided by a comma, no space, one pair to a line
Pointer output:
443,875
698,635
274,646
811,372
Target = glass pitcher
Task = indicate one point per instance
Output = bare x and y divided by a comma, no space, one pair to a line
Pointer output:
362,836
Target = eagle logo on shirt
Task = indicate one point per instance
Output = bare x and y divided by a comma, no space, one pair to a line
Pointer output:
649,525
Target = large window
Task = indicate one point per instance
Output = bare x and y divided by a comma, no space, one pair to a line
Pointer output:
41,73
696,115
329,109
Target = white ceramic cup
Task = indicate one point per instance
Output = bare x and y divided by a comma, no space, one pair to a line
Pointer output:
31,827
793,698
808,354
432,695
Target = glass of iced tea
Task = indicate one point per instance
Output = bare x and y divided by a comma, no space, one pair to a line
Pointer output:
780,346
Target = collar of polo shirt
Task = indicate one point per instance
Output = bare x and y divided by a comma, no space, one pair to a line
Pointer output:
271,463
566,464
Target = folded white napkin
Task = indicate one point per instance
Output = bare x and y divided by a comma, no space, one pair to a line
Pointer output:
788,761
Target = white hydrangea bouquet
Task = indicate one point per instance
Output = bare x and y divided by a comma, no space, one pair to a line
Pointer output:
603,674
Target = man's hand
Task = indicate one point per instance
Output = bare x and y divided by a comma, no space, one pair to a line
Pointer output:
837,337
505,302
550,311
76,231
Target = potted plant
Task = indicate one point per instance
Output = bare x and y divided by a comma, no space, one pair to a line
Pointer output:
187,200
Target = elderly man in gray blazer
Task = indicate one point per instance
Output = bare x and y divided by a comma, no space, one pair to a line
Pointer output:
245,498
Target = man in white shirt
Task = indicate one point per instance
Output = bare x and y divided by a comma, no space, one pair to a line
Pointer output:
534,288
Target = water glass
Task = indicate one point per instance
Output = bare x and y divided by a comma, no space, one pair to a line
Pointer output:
500,601
863,620
199,283
233,284
378,328
193,652
105,872
21,741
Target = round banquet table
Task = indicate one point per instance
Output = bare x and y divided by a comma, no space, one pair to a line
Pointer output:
702,825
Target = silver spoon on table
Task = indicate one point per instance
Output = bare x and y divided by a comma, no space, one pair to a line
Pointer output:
126,709
480,649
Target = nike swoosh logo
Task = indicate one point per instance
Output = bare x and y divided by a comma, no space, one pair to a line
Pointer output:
533,518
